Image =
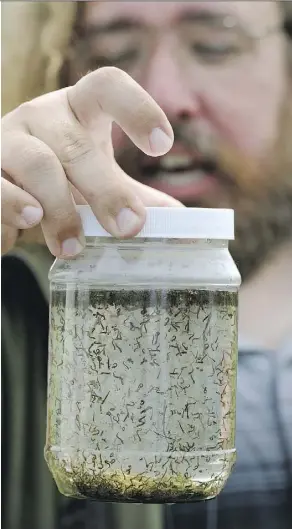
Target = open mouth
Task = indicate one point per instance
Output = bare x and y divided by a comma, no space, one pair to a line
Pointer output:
179,175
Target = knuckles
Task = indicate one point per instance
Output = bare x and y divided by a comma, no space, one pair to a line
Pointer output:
75,145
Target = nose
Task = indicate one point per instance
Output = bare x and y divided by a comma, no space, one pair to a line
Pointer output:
166,82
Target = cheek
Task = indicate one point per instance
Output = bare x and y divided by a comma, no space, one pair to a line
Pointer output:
247,123
243,109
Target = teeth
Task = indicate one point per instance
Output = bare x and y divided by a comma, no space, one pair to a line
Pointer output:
171,161
186,178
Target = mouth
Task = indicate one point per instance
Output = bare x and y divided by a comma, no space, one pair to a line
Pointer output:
180,175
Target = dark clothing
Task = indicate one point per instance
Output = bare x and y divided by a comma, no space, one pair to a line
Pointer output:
258,494
29,497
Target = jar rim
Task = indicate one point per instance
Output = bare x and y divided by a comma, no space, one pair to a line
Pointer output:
172,223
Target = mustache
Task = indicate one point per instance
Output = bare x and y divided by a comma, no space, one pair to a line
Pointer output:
232,167
201,148
202,145
211,153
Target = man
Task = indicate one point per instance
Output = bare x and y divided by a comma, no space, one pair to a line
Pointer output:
220,72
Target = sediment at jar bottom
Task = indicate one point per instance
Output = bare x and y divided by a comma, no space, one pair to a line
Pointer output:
114,485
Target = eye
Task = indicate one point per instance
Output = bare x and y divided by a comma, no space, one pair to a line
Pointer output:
125,60
215,53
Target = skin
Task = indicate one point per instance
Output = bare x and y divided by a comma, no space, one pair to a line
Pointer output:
182,86
63,139
58,137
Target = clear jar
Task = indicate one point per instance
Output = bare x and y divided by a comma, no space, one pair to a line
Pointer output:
143,361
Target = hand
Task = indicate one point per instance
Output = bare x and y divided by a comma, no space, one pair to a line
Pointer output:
59,146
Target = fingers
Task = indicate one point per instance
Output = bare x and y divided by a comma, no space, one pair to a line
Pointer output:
152,197
90,167
115,204
112,92
32,166
64,138
81,139
19,209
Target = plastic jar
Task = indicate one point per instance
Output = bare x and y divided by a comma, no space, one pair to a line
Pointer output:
143,361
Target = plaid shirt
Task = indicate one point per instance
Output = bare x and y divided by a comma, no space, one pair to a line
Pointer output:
258,494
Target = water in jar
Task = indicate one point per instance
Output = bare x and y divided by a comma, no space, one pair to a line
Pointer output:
141,404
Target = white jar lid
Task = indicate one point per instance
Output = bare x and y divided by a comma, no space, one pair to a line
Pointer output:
172,223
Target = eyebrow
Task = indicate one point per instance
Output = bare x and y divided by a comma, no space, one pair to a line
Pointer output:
126,24
119,24
205,16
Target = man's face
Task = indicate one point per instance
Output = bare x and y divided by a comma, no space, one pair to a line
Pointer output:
218,70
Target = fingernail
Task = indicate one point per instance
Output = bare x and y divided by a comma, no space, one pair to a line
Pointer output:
71,247
31,215
160,142
127,221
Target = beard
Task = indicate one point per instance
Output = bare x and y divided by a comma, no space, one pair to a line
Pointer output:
259,192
